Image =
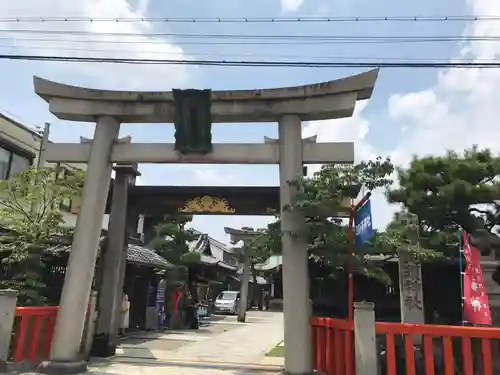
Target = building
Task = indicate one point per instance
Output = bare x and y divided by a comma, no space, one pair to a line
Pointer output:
20,148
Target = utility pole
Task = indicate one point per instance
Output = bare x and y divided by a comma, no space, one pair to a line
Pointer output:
43,146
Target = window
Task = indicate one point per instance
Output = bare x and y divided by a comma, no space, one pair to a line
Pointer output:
18,164
4,163
12,162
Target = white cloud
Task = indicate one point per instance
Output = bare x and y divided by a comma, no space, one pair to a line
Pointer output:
353,129
139,180
104,75
459,110
291,5
208,176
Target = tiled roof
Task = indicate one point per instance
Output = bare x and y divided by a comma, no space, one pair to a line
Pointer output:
211,250
142,255
207,259
136,254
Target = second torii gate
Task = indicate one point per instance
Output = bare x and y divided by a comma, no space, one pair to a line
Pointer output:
192,112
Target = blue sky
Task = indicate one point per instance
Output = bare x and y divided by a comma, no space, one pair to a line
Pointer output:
423,111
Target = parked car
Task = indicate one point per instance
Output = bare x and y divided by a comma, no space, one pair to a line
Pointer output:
227,302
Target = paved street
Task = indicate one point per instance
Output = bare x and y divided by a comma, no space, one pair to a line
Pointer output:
223,346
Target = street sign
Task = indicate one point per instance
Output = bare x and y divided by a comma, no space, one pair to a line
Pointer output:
363,224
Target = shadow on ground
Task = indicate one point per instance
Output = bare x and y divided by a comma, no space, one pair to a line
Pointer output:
141,344
104,364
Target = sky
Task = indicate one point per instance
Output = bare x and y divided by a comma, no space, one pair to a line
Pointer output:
412,111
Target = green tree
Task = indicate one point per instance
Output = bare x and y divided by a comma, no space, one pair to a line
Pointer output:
30,224
458,190
404,233
171,242
320,198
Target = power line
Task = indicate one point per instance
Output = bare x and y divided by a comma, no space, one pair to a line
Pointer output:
244,63
436,18
180,42
254,43
218,54
255,39
453,38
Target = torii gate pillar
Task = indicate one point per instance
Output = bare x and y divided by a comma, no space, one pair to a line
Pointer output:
245,235
81,264
296,300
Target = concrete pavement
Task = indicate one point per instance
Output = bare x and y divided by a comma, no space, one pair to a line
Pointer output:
223,347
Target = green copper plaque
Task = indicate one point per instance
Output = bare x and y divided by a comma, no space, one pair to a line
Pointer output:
193,121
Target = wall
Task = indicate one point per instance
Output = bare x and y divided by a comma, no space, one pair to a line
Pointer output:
19,136
230,259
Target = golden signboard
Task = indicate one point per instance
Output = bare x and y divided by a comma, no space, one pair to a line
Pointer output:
207,204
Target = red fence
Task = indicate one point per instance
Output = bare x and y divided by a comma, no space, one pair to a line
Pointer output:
465,350
468,349
333,346
33,331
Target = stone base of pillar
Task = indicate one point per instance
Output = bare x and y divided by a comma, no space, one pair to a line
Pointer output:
103,346
62,368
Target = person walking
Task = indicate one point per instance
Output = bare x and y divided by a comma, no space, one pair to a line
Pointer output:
266,300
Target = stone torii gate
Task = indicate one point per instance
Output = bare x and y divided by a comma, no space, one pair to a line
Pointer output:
244,235
192,112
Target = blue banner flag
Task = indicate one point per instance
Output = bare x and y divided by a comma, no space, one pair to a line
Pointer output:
363,224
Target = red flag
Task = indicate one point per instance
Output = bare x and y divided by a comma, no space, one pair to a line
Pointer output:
476,305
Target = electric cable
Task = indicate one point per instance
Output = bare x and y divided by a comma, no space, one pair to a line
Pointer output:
349,38
244,63
306,19
219,54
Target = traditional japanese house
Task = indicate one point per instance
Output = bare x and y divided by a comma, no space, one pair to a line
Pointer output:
215,272
142,266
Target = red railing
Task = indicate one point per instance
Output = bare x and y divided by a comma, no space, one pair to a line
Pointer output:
34,328
465,350
333,346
